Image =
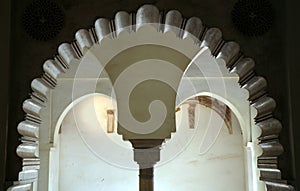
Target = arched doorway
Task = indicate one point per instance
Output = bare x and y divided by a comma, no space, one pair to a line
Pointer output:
52,93
75,166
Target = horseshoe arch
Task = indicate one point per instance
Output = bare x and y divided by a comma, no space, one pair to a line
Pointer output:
38,127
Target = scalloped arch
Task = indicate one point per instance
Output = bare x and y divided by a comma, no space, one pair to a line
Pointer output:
37,106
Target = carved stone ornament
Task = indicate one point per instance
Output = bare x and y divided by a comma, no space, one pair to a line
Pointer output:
223,74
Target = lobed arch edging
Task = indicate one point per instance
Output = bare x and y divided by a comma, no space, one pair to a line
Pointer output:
261,104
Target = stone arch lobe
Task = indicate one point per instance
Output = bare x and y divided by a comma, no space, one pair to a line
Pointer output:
262,106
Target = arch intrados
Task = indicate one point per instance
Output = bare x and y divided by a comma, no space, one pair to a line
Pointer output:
212,38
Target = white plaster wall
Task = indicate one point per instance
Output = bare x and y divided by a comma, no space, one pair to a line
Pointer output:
220,169
81,170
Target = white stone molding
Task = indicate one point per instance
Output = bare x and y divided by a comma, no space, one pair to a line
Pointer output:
38,128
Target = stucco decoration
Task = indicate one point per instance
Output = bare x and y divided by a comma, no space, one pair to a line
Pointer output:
43,20
253,17
46,104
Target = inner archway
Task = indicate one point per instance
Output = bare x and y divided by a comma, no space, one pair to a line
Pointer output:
191,169
53,92
79,168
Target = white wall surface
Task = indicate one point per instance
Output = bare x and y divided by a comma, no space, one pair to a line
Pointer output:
221,168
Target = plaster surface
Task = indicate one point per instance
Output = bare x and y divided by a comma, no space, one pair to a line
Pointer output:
222,167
